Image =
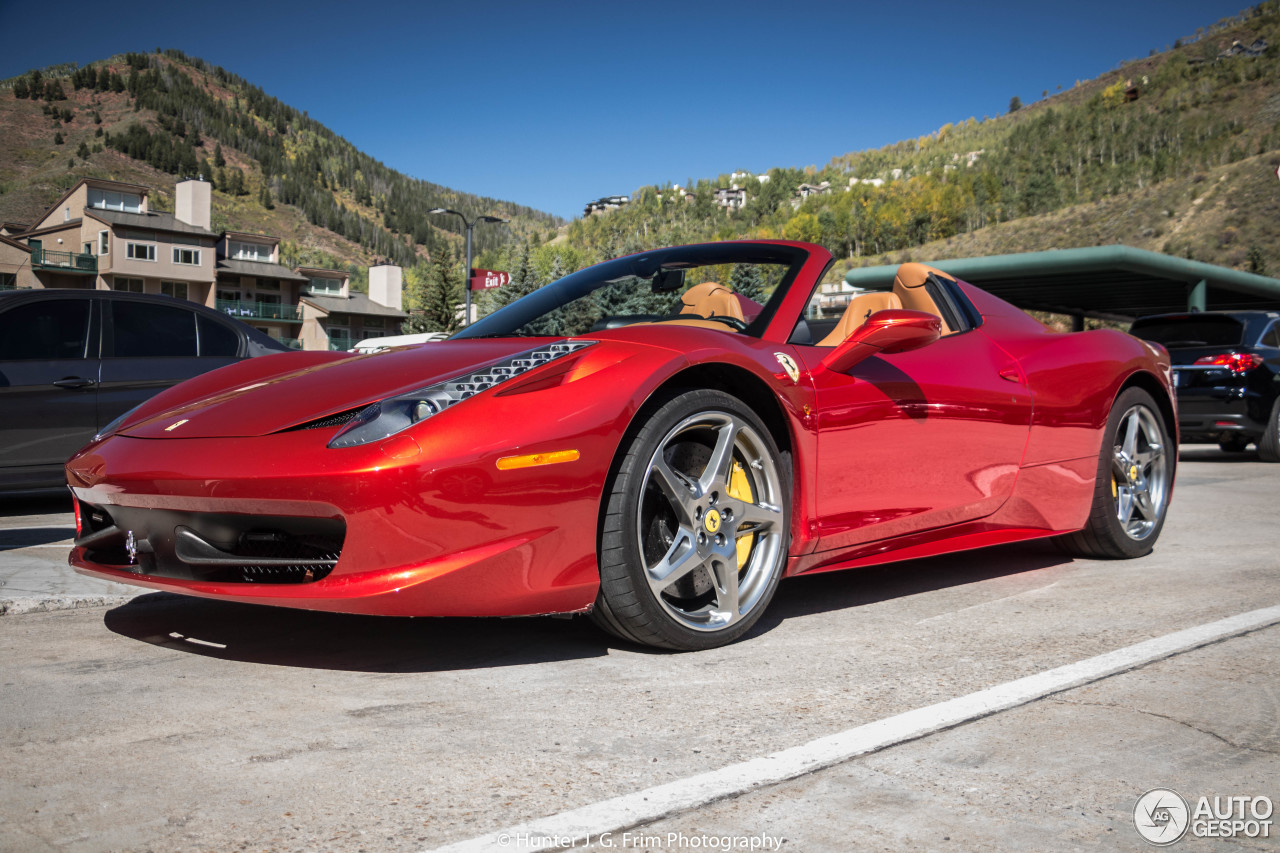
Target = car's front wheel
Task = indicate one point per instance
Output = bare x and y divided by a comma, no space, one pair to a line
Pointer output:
1135,477
696,526
1269,443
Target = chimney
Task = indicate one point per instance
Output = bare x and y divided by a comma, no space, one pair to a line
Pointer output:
192,203
384,285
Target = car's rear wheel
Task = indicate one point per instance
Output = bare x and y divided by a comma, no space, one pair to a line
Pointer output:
1234,443
1269,444
696,526
1135,475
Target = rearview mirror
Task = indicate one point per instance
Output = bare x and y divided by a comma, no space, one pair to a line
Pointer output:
888,331
665,281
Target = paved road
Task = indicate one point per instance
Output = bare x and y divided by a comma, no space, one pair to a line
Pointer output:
179,724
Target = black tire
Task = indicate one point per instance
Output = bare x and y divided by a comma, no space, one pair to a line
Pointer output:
1135,475
1234,443
670,575
1269,443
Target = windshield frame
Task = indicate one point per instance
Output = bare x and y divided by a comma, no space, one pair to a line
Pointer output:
503,322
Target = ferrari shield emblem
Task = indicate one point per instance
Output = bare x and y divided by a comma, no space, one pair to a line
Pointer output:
789,365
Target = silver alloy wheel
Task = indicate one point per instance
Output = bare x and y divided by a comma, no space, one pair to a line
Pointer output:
1139,473
710,521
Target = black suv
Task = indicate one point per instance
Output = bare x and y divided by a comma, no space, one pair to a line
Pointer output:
1226,369
72,361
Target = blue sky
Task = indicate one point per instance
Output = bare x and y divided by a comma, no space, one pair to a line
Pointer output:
552,104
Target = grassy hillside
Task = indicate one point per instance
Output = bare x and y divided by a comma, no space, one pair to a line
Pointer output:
150,118
1175,152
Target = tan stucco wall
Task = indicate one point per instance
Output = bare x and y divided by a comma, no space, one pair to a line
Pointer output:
17,261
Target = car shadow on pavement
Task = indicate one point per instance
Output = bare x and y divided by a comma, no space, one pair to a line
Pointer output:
42,503
821,593
300,638
13,538
1211,453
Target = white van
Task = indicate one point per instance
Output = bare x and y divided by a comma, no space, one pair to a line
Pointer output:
371,345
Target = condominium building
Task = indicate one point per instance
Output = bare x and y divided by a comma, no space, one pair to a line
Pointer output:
101,234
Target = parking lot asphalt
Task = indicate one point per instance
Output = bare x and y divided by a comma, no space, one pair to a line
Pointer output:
180,724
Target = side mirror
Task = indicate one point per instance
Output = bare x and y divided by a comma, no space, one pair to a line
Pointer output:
890,330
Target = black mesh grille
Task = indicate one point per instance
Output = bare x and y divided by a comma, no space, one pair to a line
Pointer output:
328,420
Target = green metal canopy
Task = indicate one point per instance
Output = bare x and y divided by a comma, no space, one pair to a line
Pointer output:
1109,282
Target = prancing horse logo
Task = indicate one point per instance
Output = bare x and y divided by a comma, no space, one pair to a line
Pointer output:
789,365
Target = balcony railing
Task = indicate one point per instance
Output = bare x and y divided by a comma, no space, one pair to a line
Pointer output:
260,310
48,259
340,343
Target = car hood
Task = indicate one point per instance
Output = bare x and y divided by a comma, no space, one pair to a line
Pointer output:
280,401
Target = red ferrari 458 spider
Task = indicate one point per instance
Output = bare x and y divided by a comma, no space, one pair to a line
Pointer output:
656,440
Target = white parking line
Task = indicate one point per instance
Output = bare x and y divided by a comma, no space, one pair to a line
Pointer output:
580,825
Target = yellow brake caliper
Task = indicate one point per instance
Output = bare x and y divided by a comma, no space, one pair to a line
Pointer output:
740,489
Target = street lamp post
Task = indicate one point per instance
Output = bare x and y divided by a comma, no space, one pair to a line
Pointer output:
466,317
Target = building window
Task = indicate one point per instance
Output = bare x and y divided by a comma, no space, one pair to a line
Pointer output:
267,284
8,281
110,200
104,242
130,285
228,295
190,257
66,214
176,289
140,251
325,286
242,251
375,322
88,248
371,333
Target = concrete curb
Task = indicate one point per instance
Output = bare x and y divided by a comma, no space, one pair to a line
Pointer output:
49,603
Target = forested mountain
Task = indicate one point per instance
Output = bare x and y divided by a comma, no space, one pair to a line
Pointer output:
1179,117
182,116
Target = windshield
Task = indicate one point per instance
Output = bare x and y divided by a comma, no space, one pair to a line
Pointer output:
1193,330
726,286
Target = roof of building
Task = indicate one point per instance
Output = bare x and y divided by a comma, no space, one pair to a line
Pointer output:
356,303
149,221
14,227
342,273
258,269
267,237
1100,281
9,241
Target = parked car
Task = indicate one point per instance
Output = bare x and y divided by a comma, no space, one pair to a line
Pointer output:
625,442
72,361
1226,368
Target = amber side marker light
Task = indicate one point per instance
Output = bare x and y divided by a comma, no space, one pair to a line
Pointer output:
532,460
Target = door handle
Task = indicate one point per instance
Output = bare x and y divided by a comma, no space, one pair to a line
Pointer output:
74,382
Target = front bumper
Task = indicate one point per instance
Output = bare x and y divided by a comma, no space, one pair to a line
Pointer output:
374,530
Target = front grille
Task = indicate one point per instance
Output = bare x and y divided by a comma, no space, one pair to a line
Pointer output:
219,547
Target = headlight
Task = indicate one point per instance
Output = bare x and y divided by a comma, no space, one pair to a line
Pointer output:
388,417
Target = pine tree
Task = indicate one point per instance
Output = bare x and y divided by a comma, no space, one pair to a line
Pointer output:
218,159
748,280
264,197
57,138
20,89
83,151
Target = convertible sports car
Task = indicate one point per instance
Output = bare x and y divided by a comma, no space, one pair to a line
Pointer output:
640,442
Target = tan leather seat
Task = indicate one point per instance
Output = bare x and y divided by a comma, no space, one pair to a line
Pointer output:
711,299
860,308
908,286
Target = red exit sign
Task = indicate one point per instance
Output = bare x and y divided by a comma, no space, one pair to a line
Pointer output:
485,279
